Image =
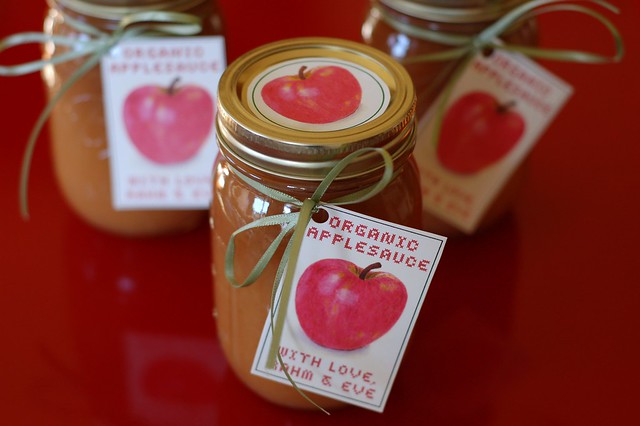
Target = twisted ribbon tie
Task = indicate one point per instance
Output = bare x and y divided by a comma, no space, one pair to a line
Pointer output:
94,47
466,47
295,222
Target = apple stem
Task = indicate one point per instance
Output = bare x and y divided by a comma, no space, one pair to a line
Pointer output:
502,108
301,74
172,86
368,269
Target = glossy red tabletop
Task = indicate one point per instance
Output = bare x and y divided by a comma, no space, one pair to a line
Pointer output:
534,322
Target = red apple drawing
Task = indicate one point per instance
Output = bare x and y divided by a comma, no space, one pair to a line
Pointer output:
341,306
168,125
477,131
321,95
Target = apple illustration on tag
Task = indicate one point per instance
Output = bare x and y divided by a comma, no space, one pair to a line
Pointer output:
321,95
342,306
168,125
477,131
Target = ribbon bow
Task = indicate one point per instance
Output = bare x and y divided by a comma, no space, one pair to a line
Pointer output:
468,46
96,45
295,222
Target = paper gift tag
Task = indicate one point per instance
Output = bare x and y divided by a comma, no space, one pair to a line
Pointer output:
495,113
159,97
346,326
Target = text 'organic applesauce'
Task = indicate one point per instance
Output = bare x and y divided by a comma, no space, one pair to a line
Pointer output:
302,125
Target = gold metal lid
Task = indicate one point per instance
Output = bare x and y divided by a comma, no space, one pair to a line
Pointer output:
116,9
277,140
453,11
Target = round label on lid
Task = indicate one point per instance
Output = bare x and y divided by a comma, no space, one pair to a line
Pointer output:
318,94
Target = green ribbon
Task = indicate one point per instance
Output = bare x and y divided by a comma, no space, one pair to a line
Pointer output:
94,47
468,46
295,222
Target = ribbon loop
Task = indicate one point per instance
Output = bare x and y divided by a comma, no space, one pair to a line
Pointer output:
287,221
15,40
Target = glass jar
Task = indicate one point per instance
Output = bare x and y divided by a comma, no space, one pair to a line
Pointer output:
293,157
78,133
458,18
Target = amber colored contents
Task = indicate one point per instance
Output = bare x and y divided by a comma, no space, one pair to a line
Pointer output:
430,77
79,143
241,313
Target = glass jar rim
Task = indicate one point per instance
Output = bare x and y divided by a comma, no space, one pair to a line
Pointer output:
429,11
117,9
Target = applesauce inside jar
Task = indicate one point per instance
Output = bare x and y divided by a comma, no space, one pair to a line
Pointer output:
78,133
465,18
291,150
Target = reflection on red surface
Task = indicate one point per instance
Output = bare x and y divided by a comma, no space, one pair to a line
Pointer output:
461,356
171,378
175,378
143,354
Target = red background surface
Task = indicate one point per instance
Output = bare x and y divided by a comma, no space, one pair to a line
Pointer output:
534,322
